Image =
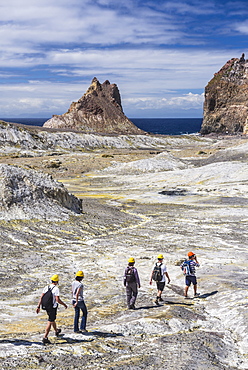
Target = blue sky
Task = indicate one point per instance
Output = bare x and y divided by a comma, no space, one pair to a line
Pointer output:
161,54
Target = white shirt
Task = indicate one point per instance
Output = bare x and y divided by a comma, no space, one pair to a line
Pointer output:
74,287
55,292
163,270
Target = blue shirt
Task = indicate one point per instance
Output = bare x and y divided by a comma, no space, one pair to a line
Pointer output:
192,265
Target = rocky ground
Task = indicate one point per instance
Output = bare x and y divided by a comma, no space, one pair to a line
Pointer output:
190,194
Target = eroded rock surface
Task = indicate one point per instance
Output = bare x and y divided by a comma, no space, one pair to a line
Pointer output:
31,140
195,200
26,194
226,99
160,162
98,111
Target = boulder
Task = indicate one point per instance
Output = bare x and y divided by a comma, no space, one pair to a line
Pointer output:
29,194
226,99
98,111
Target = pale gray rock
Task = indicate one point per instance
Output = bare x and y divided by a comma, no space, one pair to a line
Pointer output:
33,141
126,215
26,194
161,162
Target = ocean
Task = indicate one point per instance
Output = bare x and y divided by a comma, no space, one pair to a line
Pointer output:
163,126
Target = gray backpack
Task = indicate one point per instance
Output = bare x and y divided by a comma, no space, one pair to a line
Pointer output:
157,274
129,274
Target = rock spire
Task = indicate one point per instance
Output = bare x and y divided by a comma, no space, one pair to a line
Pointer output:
99,110
226,99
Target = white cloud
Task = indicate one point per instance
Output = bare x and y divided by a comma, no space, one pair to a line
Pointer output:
147,79
37,96
33,25
154,70
242,27
56,98
55,48
197,8
185,102
149,69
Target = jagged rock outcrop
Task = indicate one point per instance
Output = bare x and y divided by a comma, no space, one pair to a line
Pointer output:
98,111
226,99
29,194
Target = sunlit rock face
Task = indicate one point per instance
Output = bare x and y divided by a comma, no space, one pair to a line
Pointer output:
99,110
29,194
226,99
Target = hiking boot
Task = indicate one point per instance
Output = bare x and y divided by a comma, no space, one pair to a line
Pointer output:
46,341
160,299
132,307
58,331
83,331
197,295
156,302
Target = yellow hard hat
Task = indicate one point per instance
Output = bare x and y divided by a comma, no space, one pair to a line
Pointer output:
131,260
55,278
160,257
80,274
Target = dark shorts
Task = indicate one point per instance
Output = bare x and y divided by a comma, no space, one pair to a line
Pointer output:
52,313
160,285
190,279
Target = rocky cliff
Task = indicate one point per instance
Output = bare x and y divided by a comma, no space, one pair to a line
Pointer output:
99,110
226,99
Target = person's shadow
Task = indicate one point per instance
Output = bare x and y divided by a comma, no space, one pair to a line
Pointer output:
206,295
147,307
63,339
95,333
20,342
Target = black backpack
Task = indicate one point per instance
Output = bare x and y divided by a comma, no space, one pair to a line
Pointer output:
130,277
157,274
47,299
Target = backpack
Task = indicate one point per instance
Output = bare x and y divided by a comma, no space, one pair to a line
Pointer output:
47,299
186,268
157,274
129,274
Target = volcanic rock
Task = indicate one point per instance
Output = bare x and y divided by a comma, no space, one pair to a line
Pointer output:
161,162
23,140
99,110
226,99
203,209
27,194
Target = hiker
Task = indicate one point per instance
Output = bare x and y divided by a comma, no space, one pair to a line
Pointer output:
131,282
78,303
188,267
158,274
51,307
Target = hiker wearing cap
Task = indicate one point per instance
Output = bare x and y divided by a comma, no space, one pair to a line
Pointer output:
158,274
51,307
131,282
78,303
188,267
